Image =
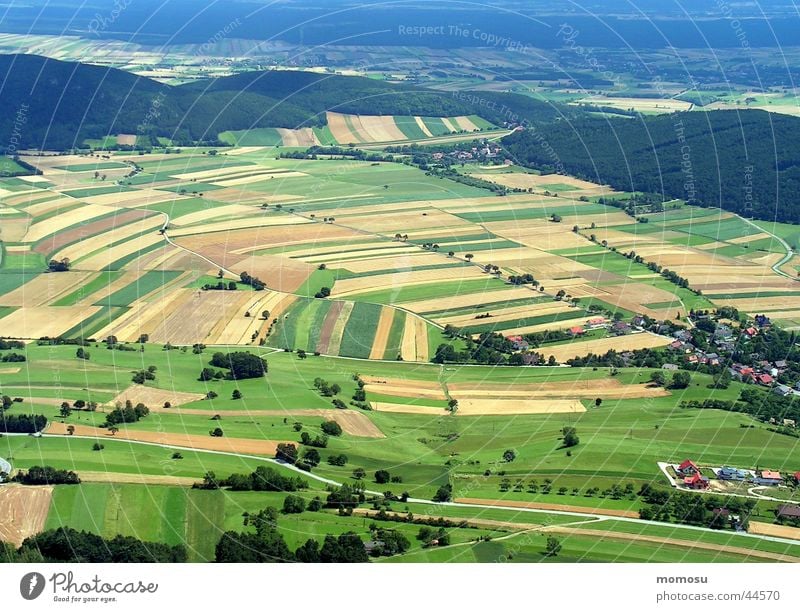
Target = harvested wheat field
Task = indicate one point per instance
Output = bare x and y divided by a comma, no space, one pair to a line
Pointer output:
59,222
150,396
562,352
131,478
23,511
460,301
408,409
777,531
586,389
229,445
39,321
43,289
240,328
399,279
338,126
303,137
351,422
491,406
382,333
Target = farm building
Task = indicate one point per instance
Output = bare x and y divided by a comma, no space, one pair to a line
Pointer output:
576,331
670,366
788,511
782,390
696,481
768,477
595,323
731,473
687,468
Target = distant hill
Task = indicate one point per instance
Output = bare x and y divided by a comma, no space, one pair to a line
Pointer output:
64,103
746,162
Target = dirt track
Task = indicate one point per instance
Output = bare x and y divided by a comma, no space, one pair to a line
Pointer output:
542,506
23,511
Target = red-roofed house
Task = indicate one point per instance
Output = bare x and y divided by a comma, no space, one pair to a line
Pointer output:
768,477
751,331
764,379
595,322
577,331
797,477
697,481
688,468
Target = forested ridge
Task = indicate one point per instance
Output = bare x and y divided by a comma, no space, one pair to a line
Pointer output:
746,162
57,105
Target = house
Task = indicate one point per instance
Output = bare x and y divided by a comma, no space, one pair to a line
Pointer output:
782,390
576,331
764,379
683,335
712,358
723,332
638,321
768,477
687,468
595,323
797,477
780,364
750,332
518,343
762,320
669,366
696,481
730,473
692,359
789,423
620,328
788,511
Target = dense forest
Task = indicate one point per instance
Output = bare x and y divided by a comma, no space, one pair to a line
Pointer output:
57,105
746,162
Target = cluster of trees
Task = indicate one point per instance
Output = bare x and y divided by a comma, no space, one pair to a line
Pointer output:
342,152
12,358
46,475
221,286
71,546
268,546
255,282
489,349
241,364
325,388
703,510
264,478
11,344
126,414
679,380
21,423
140,376
59,265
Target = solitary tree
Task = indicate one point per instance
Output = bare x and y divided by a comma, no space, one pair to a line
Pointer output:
553,547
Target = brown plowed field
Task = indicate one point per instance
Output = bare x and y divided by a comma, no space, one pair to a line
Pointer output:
247,446
23,511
